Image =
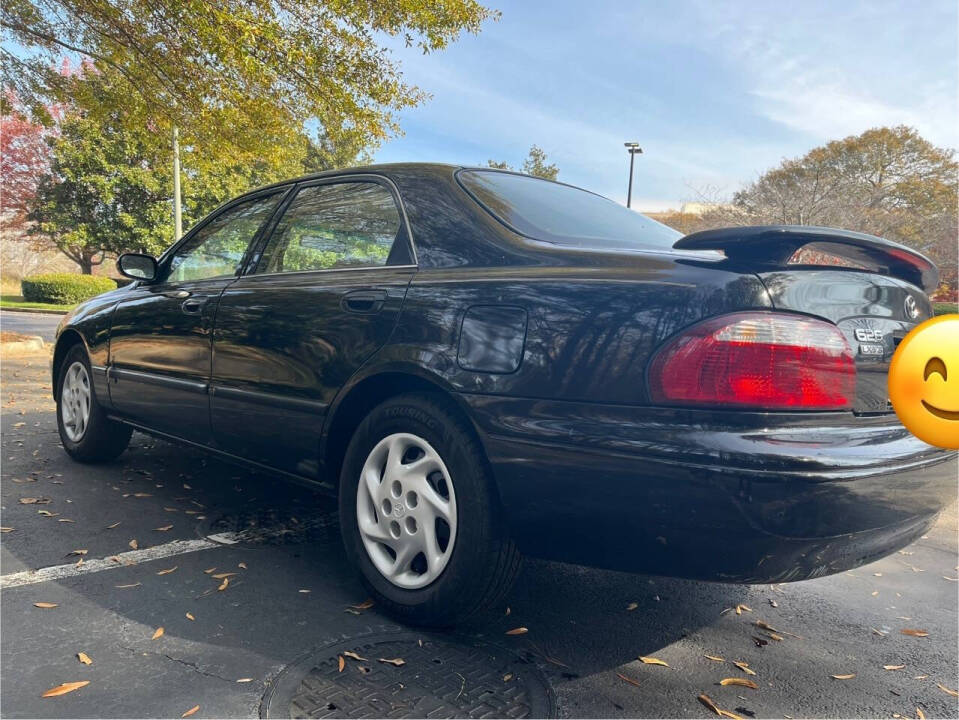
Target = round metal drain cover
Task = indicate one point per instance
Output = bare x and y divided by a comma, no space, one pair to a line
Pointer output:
269,526
437,679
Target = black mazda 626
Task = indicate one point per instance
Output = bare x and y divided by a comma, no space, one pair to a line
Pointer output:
482,364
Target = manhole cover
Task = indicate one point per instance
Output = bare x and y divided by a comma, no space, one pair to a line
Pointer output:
270,526
437,679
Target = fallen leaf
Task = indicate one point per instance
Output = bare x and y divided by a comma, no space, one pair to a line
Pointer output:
241,565
352,655
6,529
850,676
652,661
740,609
877,574
110,527
365,605
341,663
743,682
744,667
68,520
893,667
920,714
45,605
920,677
168,570
947,690
305,592
29,500
773,603
630,680
84,658
142,494
65,688
220,576
245,680
133,544
875,592
77,552
632,606
164,528
951,579
914,633
224,585
517,631
128,586
209,570
880,633
759,642
507,677
714,658
189,616
157,633
189,712
708,702
396,662
46,513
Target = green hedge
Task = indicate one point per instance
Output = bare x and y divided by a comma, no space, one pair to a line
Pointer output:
64,288
944,308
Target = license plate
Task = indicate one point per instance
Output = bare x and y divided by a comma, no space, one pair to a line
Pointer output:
870,349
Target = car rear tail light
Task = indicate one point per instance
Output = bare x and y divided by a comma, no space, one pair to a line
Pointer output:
763,360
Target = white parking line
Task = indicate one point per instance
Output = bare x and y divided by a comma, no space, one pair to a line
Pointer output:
132,557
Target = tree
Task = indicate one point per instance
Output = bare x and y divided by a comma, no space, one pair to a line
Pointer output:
535,164
231,72
24,157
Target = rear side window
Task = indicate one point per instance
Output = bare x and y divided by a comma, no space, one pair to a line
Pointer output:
331,226
562,214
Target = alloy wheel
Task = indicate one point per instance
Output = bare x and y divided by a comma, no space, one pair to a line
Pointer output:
406,510
75,401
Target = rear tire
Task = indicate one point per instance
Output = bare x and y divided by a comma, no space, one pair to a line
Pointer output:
445,508
86,432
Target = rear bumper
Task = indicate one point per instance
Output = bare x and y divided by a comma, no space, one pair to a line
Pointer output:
733,497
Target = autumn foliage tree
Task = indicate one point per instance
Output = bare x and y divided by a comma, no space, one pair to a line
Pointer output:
24,158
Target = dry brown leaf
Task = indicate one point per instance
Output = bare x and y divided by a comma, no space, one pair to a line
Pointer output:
740,609
110,527
29,500
850,676
245,680
875,592
920,714
632,606
341,663
947,690
164,528
396,662
66,520
142,494
353,655
6,529
920,677
157,633
518,631
224,585
128,586
46,513
714,658
209,570
241,565
168,570
914,633
893,667
65,688
630,680
45,605
84,658
652,661
77,552
743,682
950,579
220,576
507,677
189,712
744,667
365,605
134,544
189,616
708,702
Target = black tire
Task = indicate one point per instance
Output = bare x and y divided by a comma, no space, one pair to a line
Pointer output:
103,439
483,562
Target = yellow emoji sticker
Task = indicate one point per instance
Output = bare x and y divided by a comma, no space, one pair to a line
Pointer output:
924,381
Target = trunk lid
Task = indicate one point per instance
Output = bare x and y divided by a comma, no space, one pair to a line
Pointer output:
871,288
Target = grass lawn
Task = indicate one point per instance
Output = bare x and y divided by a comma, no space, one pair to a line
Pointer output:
16,302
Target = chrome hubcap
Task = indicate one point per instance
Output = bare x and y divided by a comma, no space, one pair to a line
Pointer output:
75,401
406,510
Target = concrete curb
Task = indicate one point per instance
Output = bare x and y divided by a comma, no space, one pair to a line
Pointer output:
31,344
35,311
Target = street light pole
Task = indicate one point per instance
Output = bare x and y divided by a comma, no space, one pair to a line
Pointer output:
633,149
177,212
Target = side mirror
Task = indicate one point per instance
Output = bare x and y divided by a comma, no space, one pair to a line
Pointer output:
138,266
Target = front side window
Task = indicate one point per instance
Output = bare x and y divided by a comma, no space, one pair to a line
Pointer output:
217,249
563,214
341,225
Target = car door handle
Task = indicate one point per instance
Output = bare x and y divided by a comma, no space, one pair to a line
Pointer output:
364,301
193,305
177,294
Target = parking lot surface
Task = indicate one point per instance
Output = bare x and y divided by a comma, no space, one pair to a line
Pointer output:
259,611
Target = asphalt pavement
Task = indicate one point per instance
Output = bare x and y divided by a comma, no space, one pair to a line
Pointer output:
30,323
246,577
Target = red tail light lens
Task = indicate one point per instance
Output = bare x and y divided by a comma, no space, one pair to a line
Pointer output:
764,360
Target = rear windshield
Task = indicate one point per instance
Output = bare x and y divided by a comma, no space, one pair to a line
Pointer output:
563,214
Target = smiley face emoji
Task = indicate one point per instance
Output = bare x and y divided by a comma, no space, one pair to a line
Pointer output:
924,381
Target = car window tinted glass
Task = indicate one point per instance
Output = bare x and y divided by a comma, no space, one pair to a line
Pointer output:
563,214
332,226
217,249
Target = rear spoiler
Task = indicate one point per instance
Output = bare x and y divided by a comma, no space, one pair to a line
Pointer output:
766,246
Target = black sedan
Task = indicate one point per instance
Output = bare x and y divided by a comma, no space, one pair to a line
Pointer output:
482,364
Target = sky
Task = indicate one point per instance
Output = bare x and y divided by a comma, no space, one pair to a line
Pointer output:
714,92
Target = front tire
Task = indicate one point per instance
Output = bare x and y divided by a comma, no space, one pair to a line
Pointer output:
420,517
86,432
